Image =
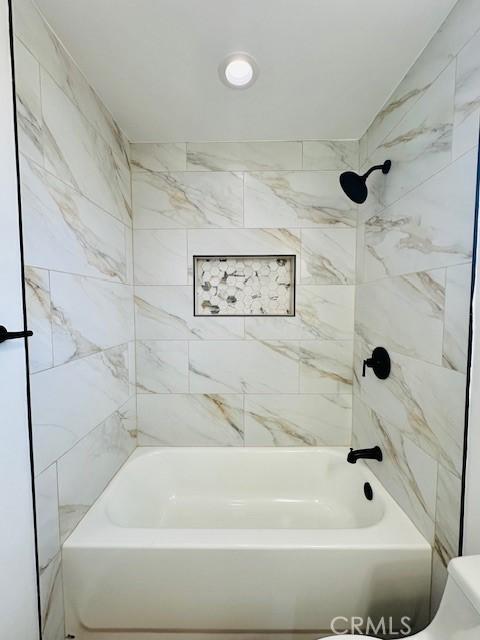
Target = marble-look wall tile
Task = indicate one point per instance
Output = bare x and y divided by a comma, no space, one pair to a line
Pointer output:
79,156
129,266
406,313
244,156
159,156
160,256
85,470
326,366
166,313
48,541
190,420
326,312
409,474
69,401
29,107
64,231
51,601
420,145
162,366
298,420
447,531
243,242
457,314
39,314
426,403
328,256
455,32
362,150
273,328
88,315
330,155
467,98
360,254
187,200
244,367
432,226
296,199
37,36
46,507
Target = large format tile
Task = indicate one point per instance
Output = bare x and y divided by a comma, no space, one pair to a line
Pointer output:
85,470
326,366
448,514
296,199
430,227
405,314
243,367
69,401
39,315
292,420
243,242
467,98
162,366
160,256
37,36
29,107
190,420
167,156
409,474
424,402
328,256
64,231
244,156
166,313
187,200
46,508
330,155
455,32
51,601
83,160
88,315
326,311
457,316
420,145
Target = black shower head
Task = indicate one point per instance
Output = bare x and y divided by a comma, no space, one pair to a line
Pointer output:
355,186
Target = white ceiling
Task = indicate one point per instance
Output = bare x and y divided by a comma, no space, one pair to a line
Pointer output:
326,66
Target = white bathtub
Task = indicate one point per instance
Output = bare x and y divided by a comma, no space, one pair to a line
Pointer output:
254,540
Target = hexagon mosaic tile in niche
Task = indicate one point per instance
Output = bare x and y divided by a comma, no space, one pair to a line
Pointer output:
244,285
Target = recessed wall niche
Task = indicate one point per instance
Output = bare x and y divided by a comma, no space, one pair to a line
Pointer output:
259,285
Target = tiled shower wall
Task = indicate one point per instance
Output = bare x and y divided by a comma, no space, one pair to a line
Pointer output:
243,381
75,185
414,251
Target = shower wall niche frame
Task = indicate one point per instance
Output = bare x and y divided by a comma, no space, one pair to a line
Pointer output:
289,310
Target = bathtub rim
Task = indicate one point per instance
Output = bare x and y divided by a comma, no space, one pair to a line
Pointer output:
394,530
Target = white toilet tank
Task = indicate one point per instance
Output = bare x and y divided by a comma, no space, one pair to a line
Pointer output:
458,617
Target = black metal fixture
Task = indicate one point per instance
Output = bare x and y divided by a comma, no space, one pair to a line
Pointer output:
368,491
13,335
379,362
355,186
375,453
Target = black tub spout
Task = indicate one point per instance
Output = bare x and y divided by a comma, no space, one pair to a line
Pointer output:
375,453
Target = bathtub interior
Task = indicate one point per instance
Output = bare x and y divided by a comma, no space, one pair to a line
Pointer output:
241,489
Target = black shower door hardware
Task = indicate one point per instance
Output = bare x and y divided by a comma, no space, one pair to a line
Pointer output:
13,335
379,362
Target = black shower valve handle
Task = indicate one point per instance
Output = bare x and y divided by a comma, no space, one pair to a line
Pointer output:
379,362
369,362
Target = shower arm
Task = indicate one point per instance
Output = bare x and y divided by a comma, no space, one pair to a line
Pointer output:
375,168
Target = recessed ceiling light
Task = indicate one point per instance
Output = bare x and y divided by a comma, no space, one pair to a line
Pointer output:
238,71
